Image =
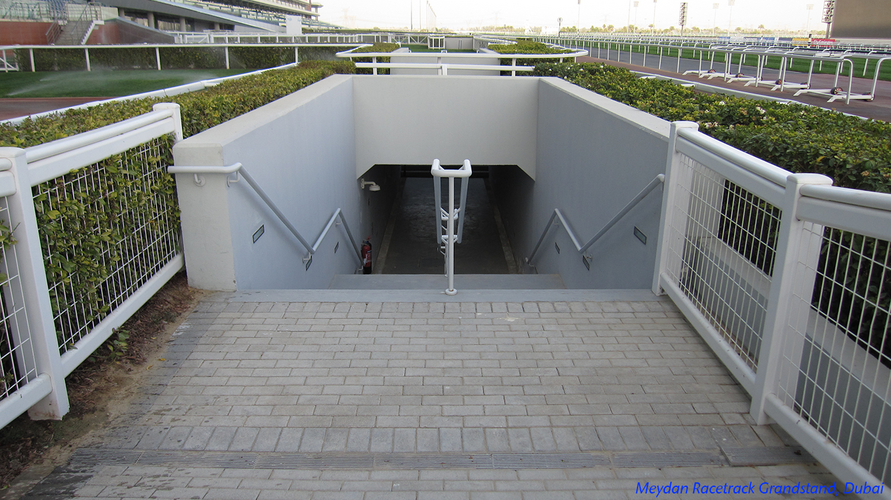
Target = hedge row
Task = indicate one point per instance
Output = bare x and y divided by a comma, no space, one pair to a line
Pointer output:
92,232
524,47
853,151
50,59
377,47
200,110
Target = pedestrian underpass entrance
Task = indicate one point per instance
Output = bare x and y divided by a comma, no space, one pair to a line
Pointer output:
330,161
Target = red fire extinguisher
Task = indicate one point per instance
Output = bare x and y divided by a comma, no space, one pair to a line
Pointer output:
366,257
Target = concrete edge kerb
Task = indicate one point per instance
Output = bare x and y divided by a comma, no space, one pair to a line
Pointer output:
436,296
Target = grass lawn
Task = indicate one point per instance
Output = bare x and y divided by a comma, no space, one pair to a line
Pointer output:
100,83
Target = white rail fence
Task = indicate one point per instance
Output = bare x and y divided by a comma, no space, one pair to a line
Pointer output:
788,279
53,315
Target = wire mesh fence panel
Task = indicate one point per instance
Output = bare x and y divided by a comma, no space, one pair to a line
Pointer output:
17,361
836,366
106,229
721,253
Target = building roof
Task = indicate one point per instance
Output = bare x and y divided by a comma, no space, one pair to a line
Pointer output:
190,11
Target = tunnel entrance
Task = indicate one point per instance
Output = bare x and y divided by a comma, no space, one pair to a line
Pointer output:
410,245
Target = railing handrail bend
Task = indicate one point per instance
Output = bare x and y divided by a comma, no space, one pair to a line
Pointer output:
659,179
754,165
239,169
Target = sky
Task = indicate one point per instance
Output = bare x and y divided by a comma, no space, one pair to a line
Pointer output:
465,14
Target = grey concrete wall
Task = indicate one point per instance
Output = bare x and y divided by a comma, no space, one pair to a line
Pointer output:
300,150
308,150
432,59
594,156
414,120
459,43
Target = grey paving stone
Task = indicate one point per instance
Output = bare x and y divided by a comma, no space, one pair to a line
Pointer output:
244,439
289,440
436,378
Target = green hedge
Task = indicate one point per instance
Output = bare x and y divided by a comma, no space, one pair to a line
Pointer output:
94,232
177,57
377,47
200,110
855,152
260,57
524,47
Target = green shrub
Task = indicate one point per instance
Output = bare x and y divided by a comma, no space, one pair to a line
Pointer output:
853,151
200,110
377,47
52,59
118,58
327,53
189,57
524,47
106,227
260,57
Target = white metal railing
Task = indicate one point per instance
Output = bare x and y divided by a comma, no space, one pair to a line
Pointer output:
158,47
557,219
788,279
452,234
168,92
47,329
442,64
336,219
665,48
7,60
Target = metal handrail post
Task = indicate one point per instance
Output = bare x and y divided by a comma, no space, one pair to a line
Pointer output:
464,172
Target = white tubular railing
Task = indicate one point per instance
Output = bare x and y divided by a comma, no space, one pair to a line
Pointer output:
442,64
586,259
168,92
50,328
464,172
788,279
238,169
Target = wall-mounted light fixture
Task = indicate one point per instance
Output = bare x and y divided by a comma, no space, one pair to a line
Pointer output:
372,186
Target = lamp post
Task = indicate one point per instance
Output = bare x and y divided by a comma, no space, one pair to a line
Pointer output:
715,21
807,25
730,17
629,17
654,17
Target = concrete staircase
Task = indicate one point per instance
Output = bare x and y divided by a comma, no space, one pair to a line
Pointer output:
436,282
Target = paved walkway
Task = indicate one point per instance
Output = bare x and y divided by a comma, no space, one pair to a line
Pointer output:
266,395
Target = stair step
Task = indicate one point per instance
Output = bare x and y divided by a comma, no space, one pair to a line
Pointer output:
436,281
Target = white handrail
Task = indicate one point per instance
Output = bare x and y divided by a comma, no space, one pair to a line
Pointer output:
659,179
464,172
754,165
57,147
238,168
